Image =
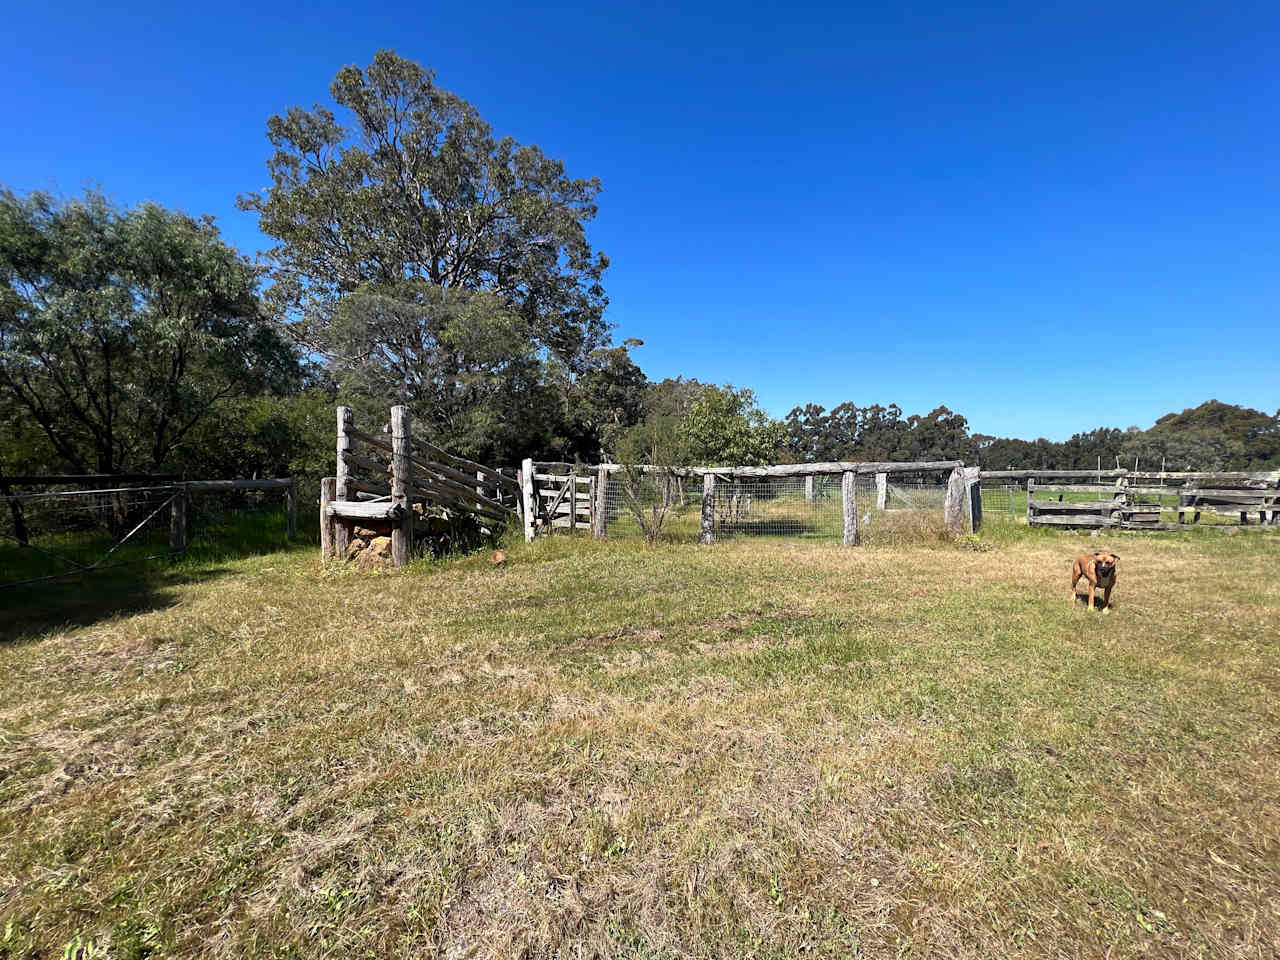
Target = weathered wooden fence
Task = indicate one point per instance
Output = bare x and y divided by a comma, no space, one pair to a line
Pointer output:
563,497
1136,499
393,490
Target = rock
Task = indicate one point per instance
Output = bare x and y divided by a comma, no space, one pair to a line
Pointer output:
379,547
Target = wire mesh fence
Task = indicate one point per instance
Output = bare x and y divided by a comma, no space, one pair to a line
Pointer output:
667,505
60,531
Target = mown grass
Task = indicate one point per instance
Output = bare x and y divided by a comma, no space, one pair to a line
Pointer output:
607,749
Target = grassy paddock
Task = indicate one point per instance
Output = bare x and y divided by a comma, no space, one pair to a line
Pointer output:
756,749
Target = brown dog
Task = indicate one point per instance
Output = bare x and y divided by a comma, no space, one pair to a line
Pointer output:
1100,570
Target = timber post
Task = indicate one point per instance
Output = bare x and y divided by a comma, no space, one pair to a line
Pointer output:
178,522
882,491
291,508
709,508
401,484
599,519
328,493
973,494
573,502
808,488
526,494
849,507
341,531
953,512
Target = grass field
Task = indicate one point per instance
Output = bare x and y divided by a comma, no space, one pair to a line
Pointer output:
758,749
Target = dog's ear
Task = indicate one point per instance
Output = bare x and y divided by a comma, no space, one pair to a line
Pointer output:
1115,556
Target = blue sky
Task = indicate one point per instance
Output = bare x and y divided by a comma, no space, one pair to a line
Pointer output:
1047,217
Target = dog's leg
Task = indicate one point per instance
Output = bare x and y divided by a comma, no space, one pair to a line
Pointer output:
1075,578
1106,599
1092,586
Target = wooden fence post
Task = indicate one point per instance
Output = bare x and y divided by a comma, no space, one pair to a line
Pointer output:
808,488
882,491
953,506
328,493
973,488
526,491
178,522
849,504
291,507
341,531
401,484
600,505
573,502
1031,485
708,508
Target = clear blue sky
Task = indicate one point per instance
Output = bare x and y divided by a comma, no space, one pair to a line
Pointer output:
1048,217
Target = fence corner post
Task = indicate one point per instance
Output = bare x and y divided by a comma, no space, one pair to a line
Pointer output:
178,522
291,508
526,493
401,484
328,488
599,506
849,507
953,506
708,508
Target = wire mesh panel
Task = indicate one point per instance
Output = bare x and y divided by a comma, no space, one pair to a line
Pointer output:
57,532
790,507
231,523
1003,502
657,504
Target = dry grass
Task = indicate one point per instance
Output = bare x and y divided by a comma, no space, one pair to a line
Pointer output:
772,750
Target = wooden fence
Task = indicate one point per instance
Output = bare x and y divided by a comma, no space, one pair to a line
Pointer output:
562,497
1123,497
403,487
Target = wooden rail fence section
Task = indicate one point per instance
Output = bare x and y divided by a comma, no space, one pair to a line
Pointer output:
406,487
560,496
1121,503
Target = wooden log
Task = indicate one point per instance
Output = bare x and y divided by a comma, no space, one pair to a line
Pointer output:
709,508
210,486
1080,521
401,483
600,505
178,523
1079,488
466,479
291,509
1232,496
370,439
464,490
427,493
849,507
801,469
360,486
953,512
354,510
328,491
462,463
527,499
882,491
378,470
341,532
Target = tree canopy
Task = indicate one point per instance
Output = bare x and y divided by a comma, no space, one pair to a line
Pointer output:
120,330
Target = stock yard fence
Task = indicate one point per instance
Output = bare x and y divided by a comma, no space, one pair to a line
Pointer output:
57,527
833,502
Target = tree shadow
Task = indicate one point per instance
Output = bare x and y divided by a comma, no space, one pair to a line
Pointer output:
29,612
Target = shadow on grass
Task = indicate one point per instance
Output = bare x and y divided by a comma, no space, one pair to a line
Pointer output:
31,610
80,600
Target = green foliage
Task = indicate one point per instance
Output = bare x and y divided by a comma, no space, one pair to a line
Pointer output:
726,426
121,330
433,263
849,432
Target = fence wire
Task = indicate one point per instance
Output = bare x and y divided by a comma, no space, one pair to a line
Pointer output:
56,532
794,508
